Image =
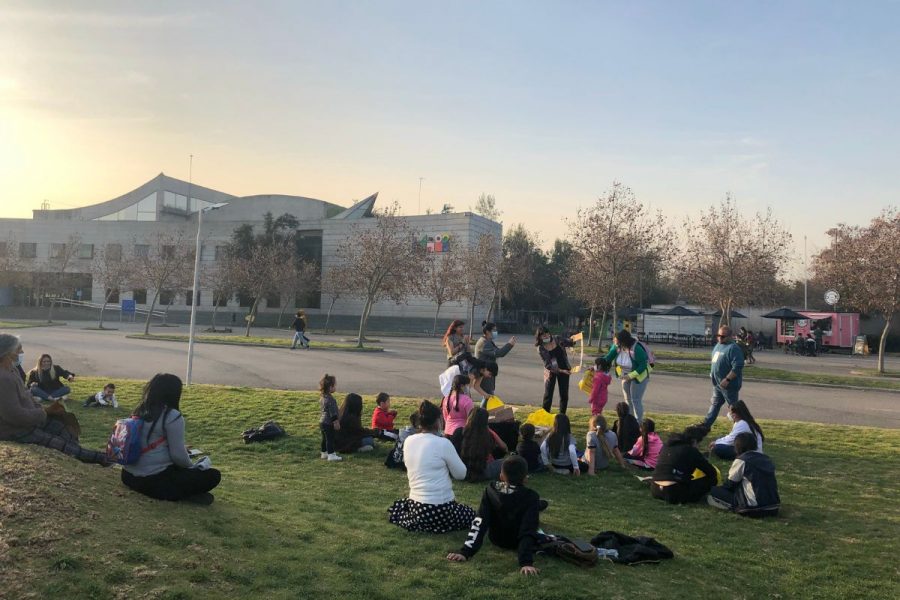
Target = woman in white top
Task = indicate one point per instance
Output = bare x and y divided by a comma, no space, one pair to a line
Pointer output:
558,451
430,461
164,470
743,423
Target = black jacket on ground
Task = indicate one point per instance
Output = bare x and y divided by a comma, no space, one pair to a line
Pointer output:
508,514
679,459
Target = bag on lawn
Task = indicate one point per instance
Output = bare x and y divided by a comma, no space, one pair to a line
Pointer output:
394,458
501,414
541,418
268,431
577,552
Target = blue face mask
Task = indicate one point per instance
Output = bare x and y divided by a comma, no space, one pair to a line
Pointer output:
494,335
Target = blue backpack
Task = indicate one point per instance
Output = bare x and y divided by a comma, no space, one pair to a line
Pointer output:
124,445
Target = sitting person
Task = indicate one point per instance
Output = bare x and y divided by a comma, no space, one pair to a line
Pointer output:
44,380
477,443
476,370
751,489
383,418
508,514
529,449
675,478
601,445
600,387
456,406
351,436
430,461
626,428
558,451
646,449
24,420
106,397
744,422
164,470
394,459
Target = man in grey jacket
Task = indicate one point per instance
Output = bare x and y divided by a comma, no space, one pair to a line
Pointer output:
725,372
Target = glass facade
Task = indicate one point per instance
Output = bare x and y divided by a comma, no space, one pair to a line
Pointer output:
182,202
145,210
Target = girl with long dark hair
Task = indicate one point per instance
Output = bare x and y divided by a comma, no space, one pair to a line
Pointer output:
558,451
455,341
626,428
456,406
352,436
744,422
552,350
164,470
477,443
646,449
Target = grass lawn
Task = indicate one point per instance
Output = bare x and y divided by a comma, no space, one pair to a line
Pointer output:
26,324
240,340
752,372
287,525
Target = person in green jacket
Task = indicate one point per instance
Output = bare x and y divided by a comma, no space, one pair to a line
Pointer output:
632,368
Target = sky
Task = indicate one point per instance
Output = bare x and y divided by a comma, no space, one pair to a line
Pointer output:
788,104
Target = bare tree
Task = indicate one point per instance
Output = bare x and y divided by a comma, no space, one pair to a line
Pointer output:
336,282
256,274
728,261
218,278
113,272
863,263
295,276
443,282
615,239
487,207
11,267
480,268
169,257
62,255
386,260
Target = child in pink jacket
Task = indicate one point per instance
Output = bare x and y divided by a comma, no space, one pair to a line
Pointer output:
600,392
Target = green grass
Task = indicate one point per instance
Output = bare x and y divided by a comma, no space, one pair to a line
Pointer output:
752,372
27,324
288,525
874,373
671,355
267,342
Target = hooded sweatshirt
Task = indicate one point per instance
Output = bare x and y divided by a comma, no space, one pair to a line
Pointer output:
509,516
752,479
678,461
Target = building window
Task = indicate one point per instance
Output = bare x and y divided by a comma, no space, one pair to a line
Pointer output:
166,297
141,251
188,297
85,251
112,296
168,251
273,301
207,253
220,252
144,210
27,250
114,252
220,299
57,250
244,300
139,296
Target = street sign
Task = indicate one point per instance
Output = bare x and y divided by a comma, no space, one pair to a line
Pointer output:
832,297
128,307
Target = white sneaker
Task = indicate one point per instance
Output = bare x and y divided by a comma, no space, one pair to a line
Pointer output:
323,455
334,458
366,448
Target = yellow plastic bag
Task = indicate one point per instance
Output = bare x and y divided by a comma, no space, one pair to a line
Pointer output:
494,402
541,418
586,384
698,474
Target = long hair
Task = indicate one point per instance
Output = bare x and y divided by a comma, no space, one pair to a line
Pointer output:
559,435
541,330
740,408
456,388
429,416
40,359
624,339
647,427
161,394
477,442
453,325
351,412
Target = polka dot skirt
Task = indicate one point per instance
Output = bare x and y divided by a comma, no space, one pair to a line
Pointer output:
430,518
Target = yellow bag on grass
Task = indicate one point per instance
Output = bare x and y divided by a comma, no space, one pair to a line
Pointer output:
493,402
541,418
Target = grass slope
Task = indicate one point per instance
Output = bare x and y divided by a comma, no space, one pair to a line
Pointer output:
240,340
288,525
754,372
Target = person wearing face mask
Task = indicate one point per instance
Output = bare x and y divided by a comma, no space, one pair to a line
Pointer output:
739,414
552,350
486,349
23,420
726,374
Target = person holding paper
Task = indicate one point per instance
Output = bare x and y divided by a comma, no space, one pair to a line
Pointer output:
552,350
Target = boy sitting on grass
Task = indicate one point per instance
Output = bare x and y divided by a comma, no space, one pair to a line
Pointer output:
508,515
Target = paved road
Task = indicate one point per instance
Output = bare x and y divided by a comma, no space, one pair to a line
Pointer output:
409,367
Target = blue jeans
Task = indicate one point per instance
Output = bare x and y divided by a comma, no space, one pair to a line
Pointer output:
634,396
724,451
367,441
719,397
39,393
300,337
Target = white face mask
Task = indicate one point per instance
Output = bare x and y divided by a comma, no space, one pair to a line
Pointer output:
494,335
546,340
19,358
730,417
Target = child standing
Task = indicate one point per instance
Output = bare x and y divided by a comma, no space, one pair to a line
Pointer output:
383,418
328,422
107,397
509,515
529,449
600,390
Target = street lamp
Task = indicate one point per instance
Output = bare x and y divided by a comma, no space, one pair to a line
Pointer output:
190,361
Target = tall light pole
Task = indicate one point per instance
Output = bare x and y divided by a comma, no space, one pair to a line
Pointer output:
420,195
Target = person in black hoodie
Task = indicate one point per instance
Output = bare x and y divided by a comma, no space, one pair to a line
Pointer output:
673,478
626,428
508,515
751,489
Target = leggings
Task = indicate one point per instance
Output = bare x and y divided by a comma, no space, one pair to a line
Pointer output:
551,379
53,434
327,437
175,483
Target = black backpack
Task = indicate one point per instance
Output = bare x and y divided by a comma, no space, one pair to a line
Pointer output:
269,431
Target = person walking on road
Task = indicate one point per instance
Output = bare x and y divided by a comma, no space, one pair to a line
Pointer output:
726,373
486,349
299,326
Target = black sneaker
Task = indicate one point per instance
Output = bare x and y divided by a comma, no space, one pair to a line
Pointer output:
204,499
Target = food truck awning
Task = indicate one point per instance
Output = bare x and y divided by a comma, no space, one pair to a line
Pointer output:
784,314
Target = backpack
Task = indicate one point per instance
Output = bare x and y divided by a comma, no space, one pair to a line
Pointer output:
394,458
268,431
124,445
651,358
577,552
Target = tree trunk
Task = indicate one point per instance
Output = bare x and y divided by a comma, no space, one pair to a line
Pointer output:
362,323
472,316
102,310
251,315
882,342
591,326
150,314
615,318
212,325
602,331
434,327
328,316
281,315
491,308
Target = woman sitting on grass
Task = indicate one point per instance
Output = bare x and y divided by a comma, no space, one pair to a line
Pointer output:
675,478
646,449
626,427
352,436
165,471
44,380
430,461
477,443
23,420
743,423
558,450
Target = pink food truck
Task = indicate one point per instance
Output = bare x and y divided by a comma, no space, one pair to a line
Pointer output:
839,330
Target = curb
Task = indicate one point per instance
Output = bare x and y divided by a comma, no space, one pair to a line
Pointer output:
833,386
250,344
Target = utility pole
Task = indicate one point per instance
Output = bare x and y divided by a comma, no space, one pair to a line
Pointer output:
420,195
805,276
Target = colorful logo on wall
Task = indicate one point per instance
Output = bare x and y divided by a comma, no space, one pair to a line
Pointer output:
436,243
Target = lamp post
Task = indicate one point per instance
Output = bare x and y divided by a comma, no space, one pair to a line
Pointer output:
194,290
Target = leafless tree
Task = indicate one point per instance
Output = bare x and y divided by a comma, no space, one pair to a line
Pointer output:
170,257
217,277
11,266
112,272
480,273
728,261
256,274
62,255
487,207
615,239
386,260
443,282
863,264
336,282
295,276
